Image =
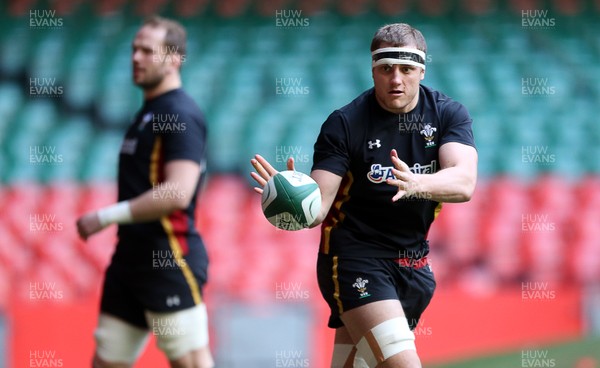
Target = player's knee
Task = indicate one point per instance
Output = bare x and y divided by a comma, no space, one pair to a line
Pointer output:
387,340
200,358
118,344
180,333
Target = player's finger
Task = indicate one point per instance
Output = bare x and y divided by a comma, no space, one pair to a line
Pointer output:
396,183
259,179
393,153
401,188
398,195
401,192
399,164
260,169
258,190
290,164
270,170
401,175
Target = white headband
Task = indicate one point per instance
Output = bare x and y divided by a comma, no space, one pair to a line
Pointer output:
398,55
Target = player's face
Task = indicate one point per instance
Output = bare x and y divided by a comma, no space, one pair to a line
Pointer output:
397,86
148,61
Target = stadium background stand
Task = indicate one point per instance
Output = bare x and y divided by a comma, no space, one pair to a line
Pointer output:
480,53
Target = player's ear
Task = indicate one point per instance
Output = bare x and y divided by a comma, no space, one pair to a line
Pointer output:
177,60
422,73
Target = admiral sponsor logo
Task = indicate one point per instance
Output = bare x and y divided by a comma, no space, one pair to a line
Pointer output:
379,174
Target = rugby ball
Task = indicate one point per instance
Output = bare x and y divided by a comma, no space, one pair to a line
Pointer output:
291,200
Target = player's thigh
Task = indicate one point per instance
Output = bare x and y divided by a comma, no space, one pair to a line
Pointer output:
382,336
342,336
180,333
118,343
360,320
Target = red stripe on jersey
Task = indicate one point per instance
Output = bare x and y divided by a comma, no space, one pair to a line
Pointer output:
181,226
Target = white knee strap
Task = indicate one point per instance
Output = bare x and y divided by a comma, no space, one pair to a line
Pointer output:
118,341
178,333
385,340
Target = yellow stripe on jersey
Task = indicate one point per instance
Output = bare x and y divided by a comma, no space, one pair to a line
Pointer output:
336,285
437,210
155,160
168,227
333,218
178,254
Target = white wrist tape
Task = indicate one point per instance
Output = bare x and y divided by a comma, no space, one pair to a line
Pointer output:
119,213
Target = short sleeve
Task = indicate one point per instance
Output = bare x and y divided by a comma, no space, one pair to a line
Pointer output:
458,125
186,139
331,150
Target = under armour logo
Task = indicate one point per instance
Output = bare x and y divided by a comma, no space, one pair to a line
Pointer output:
375,144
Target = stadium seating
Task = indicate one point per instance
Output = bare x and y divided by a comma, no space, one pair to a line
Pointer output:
479,53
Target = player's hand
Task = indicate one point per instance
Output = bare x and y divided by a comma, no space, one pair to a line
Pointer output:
265,171
406,181
88,225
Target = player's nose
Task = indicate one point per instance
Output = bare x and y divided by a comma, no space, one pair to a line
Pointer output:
396,77
135,56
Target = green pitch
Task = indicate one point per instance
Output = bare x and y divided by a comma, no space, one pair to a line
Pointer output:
572,354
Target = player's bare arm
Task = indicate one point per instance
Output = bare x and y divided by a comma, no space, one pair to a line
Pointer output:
329,184
454,182
174,193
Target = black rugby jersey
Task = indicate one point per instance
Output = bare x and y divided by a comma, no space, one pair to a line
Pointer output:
355,143
168,127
